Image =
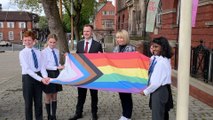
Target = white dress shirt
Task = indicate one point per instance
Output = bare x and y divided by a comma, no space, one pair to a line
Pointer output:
89,44
48,59
27,63
161,74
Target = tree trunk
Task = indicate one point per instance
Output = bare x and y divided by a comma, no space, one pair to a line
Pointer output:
55,24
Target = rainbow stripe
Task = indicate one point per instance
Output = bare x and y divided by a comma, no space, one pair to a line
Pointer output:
120,72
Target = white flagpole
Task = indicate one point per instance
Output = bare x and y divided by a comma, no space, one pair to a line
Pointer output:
184,59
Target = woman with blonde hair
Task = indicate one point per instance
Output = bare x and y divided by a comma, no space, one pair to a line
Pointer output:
123,45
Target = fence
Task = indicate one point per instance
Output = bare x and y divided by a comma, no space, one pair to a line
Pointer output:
202,63
201,66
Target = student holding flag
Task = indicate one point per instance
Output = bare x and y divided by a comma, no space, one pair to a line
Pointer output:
160,79
30,61
50,57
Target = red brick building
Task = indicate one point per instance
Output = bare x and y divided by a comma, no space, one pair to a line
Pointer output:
167,25
169,17
122,15
104,23
13,23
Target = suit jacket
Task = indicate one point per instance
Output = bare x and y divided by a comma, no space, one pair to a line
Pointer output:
95,47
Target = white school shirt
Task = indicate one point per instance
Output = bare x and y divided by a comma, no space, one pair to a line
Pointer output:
48,59
161,74
27,63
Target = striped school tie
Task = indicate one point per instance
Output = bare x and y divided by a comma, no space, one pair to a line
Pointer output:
151,68
55,58
34,59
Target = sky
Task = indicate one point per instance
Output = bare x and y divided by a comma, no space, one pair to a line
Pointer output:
8,5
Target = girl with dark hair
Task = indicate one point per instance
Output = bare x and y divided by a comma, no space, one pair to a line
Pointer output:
160,79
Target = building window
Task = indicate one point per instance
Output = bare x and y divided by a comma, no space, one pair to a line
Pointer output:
1,36
10,35
22,25
111,12
104,12
158,16
1,25
10,24
107,24
108,12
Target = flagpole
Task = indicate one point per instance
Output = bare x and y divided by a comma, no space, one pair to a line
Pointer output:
184,62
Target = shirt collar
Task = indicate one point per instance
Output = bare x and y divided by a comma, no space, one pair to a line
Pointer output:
90,41
50,49
30,48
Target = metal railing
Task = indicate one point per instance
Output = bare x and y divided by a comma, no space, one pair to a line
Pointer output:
202,63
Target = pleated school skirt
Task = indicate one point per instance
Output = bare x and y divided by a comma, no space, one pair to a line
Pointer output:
52,87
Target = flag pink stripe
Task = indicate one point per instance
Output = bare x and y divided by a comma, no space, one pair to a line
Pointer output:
194,12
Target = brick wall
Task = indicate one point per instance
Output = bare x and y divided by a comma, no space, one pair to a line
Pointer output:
16,31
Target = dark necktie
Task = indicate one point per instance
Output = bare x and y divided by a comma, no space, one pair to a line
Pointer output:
55,58
34,59
86,47
151,68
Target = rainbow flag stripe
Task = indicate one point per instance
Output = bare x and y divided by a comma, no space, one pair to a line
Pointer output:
119,72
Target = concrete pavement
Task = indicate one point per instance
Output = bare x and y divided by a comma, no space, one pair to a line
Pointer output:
12,104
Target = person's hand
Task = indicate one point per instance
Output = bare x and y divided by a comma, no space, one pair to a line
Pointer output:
60,67
65,54
45,81
142,93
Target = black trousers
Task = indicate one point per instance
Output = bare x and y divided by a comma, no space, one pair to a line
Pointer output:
127,104
82,92
32,92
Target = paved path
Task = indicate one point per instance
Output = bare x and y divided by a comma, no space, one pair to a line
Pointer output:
12,104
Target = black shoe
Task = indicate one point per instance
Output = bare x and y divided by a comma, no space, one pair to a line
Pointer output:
53,118
75,117
49,117
94,117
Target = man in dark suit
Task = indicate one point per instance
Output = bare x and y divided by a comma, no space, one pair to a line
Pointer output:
88,45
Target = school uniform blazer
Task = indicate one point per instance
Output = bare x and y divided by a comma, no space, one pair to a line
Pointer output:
95,47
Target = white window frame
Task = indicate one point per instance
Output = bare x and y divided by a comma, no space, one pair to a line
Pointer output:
1,25
1,36
108,23
21,35
10,25
158,16
22,25
111,13
11,35
104,12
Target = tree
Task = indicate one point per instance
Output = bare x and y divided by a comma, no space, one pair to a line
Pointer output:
55,23
52,14
83,10
42,24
